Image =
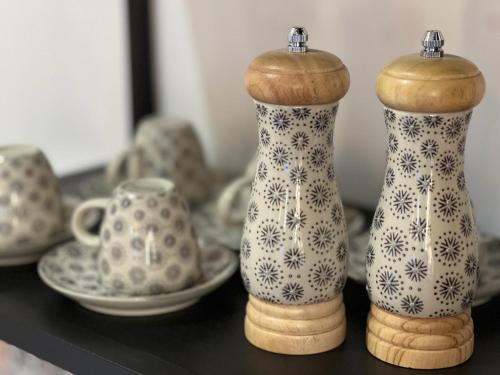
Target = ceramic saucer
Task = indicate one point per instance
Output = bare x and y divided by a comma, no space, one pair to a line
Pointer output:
489,270
93,186
71,270
357,254
31,253
211,230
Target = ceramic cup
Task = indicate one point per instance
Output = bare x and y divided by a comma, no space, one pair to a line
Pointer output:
147,243
233,201
166,148
31,209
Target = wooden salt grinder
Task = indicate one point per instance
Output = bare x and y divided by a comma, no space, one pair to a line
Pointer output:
422,257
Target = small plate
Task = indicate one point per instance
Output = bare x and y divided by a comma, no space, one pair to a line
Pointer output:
211,230
358,245
71,270
31,253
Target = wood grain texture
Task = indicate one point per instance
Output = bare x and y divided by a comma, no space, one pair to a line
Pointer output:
284,78
429,343
295,329
416,84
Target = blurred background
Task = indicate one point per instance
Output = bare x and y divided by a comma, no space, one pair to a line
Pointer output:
76,75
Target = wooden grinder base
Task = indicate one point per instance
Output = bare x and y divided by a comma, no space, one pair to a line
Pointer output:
295,329
418,343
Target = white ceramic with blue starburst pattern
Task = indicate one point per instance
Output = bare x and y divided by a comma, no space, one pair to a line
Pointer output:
422,257
488,284
294,245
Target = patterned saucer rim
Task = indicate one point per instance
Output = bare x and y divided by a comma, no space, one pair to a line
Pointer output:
32,253
192,293
356,275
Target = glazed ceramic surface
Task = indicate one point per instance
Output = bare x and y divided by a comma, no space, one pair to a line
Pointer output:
422,258
488,284
232,203
72,270
294,246
147,241
31,210
168,148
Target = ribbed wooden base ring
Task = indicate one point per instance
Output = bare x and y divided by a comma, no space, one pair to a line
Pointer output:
418,343
295,329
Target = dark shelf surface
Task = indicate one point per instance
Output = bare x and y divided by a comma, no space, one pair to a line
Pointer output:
206,338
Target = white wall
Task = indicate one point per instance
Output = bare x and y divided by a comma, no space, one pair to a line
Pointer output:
203,49
64,79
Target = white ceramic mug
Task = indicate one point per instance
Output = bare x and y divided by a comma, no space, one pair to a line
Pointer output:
147,242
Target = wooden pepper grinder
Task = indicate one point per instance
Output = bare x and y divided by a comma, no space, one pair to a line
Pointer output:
422,259
294,246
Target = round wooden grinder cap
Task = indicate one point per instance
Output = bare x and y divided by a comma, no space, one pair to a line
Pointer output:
430,82
295,77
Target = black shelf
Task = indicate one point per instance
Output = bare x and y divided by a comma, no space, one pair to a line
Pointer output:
206,338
